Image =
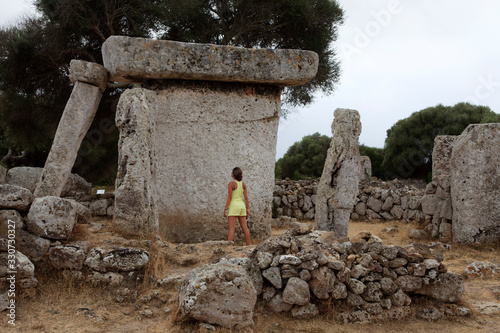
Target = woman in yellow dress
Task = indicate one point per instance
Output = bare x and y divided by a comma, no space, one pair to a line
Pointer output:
235,206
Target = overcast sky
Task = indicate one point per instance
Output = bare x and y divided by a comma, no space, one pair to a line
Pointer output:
397,57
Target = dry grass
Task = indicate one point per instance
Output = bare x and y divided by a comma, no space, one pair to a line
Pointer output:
56,305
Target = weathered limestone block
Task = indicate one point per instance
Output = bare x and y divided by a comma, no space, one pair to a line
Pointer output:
219,294
338,186
74,124
15,197
441,155
10,219
27,177
183,136
449,287
475,184
33,246
135,193
68,256
88,72
133,59
99,207
120,259
53,217
296,292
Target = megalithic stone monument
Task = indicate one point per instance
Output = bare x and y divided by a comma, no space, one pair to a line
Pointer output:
338,186
90,81
207,108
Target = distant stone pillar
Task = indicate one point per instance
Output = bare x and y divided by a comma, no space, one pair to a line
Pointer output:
90,81
209,108
338,186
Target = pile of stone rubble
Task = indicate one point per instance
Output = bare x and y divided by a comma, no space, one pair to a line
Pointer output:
301,271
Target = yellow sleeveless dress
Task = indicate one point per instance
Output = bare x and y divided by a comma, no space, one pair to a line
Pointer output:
237,205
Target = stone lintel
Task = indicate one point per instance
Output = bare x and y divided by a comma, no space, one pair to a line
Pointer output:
88,72
130,59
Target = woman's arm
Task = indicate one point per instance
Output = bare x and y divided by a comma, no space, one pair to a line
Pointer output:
229,196
245,195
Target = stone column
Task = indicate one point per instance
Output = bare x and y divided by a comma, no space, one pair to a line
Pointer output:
135,200
338,186
209,108
90,82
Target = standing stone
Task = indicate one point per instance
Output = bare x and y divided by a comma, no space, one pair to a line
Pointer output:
175,162
135,190
475,184
338,186
74,124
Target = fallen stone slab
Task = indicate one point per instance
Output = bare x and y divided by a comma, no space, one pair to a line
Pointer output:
131,60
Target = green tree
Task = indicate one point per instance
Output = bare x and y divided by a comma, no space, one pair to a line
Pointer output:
304,158
409,142
35,54
376,156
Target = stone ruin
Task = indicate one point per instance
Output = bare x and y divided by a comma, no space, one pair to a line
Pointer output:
208,108
302,271
194,94
463,199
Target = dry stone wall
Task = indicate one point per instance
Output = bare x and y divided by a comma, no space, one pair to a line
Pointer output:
376,200
301,271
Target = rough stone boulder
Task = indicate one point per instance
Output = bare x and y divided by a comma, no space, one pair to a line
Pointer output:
221,294
10,215
68,256
53,217
75,187
475,184
15,197
120,259
448,287
132,59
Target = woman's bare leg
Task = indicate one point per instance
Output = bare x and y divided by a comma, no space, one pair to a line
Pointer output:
244,226
232,225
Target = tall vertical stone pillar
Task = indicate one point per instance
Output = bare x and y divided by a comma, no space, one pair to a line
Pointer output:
90,81
475,184
338,186
209,108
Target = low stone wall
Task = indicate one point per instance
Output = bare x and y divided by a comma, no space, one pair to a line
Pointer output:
37,232
301,271
376,200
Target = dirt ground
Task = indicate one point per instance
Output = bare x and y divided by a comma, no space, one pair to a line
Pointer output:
61,305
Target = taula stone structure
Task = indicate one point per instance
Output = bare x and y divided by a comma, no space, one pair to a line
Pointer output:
338,186
90,81
208,109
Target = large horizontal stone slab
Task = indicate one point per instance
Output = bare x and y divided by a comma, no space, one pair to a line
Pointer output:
131,60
